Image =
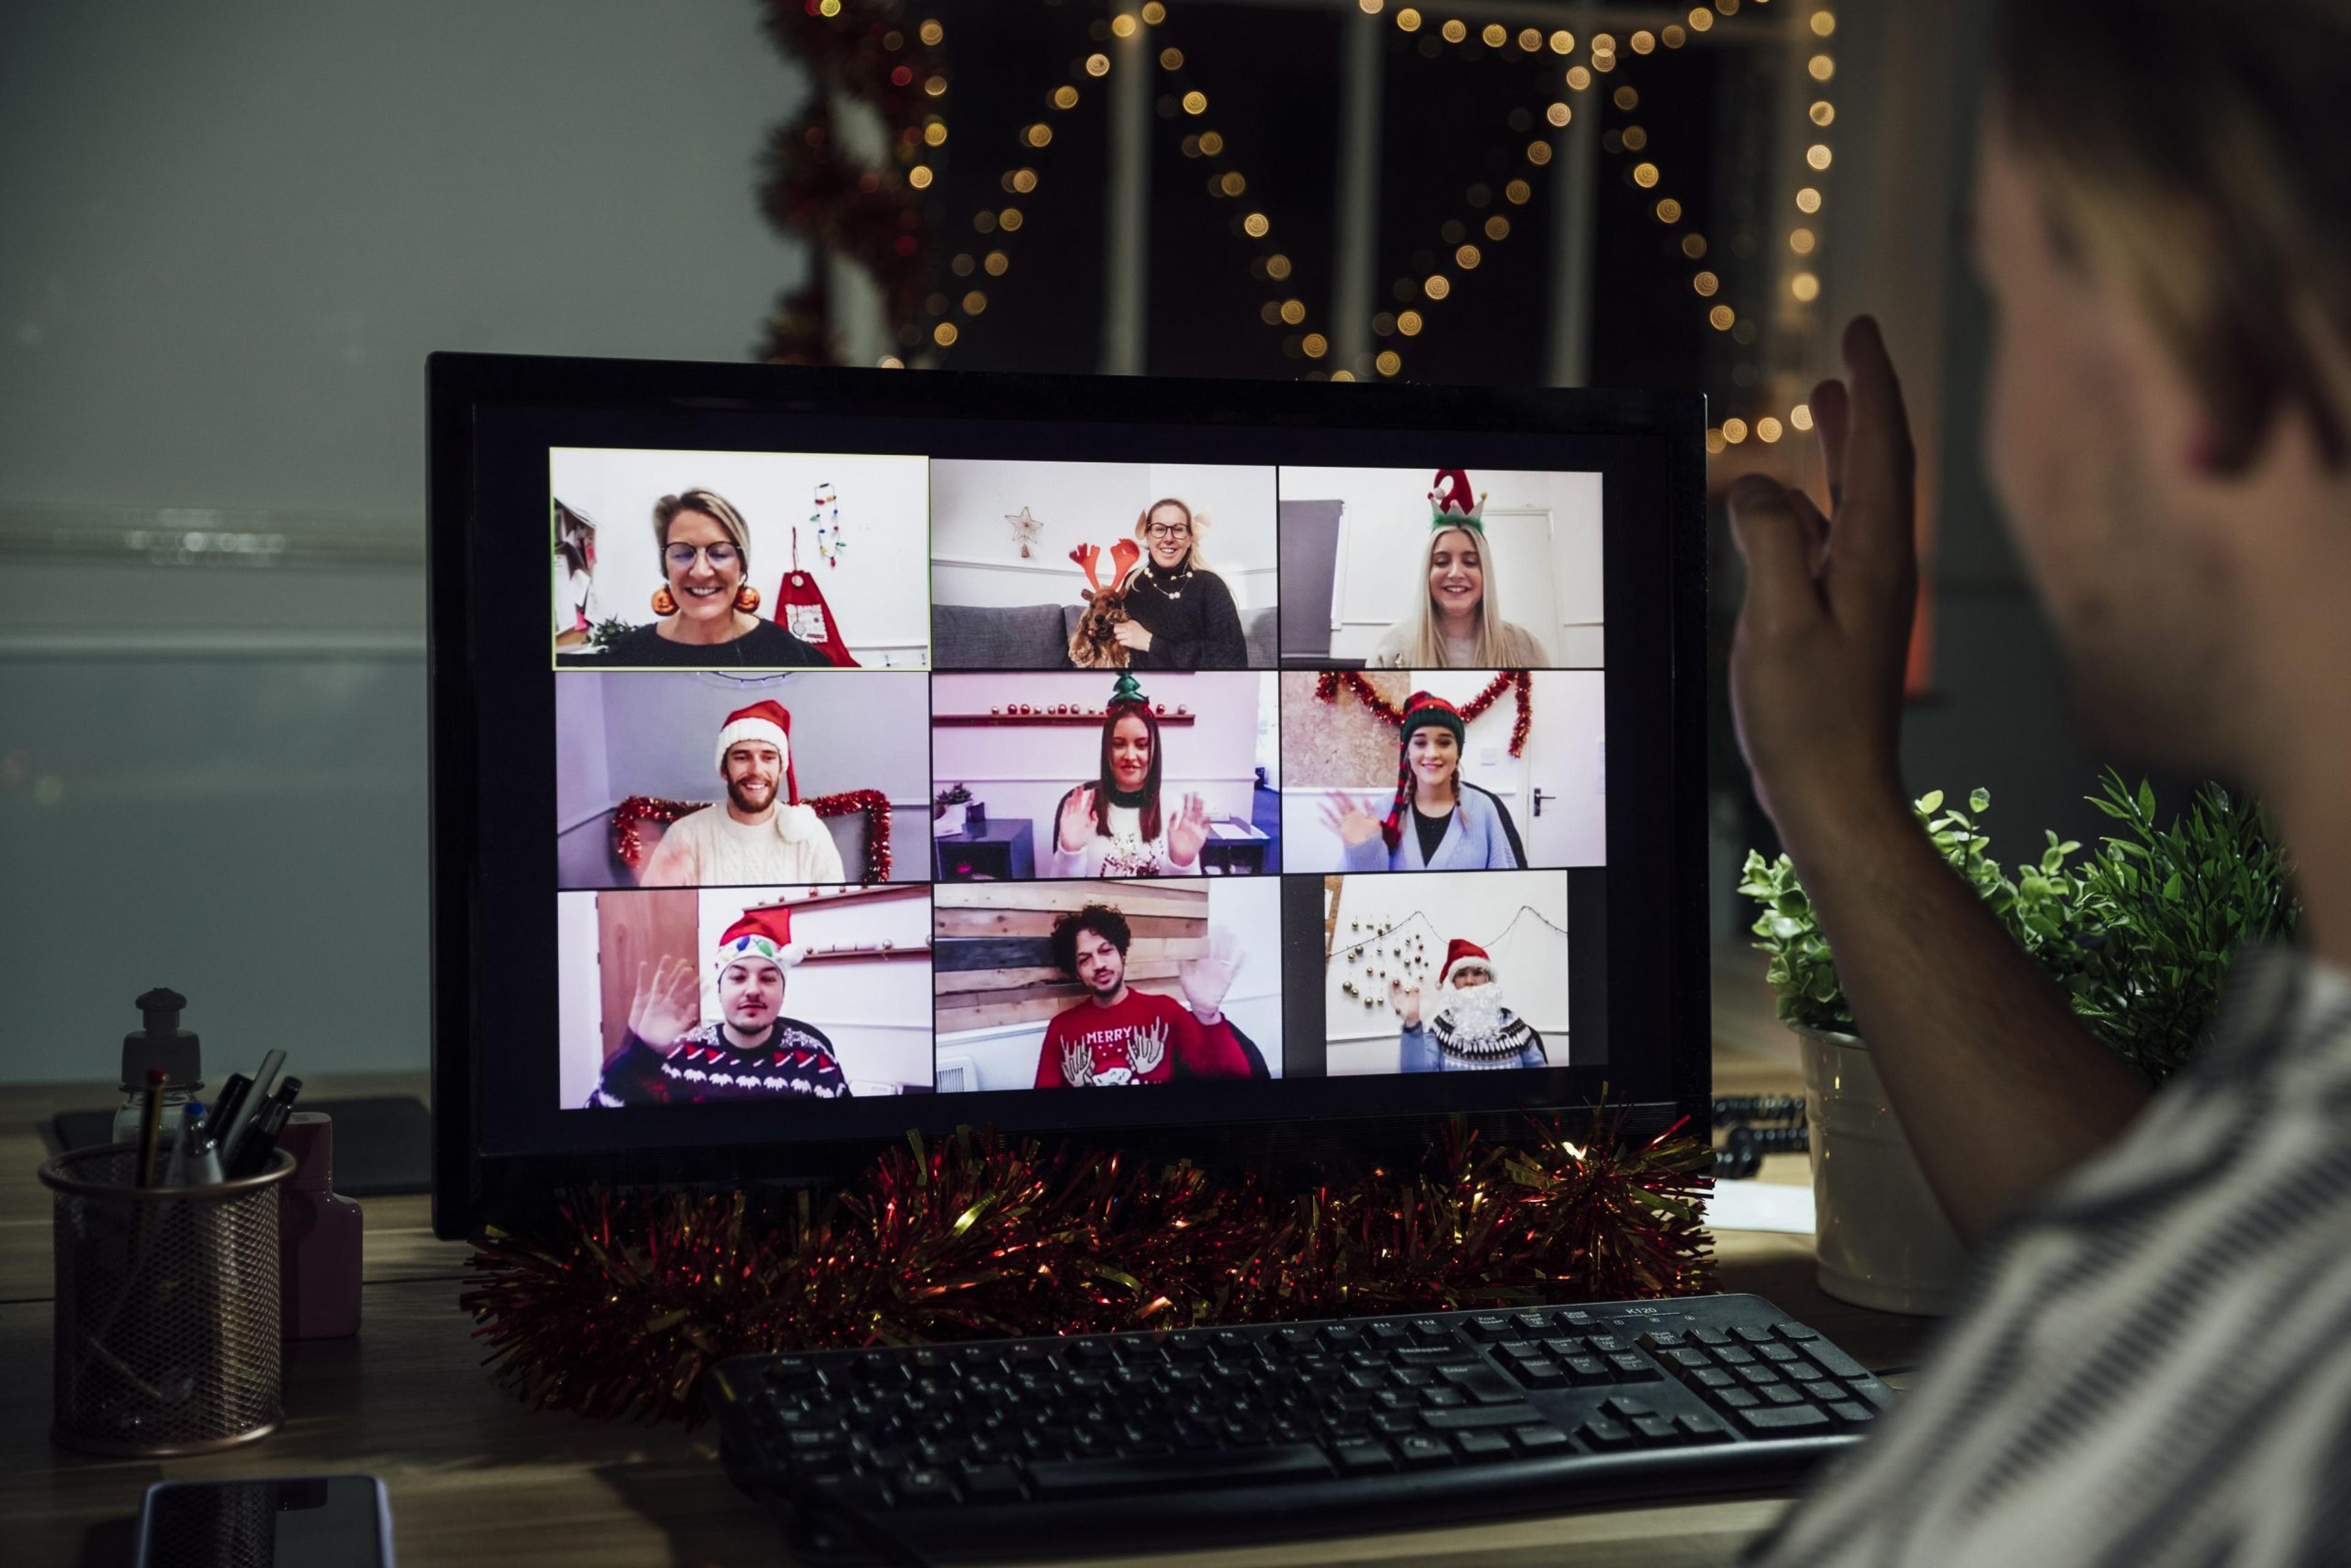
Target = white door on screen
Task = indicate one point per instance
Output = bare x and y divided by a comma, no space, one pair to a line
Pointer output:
1519,571
1565,810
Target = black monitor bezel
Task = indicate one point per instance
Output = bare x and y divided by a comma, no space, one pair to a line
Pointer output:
1664,983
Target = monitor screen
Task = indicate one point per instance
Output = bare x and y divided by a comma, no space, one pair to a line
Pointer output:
820,754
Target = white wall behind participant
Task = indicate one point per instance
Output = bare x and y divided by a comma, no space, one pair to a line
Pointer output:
975,556
878,591
1504,912
1251,908
1544,533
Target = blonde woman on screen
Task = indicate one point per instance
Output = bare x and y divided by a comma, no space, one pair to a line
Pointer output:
1457,625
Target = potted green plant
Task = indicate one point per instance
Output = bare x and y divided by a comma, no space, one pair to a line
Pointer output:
950,809
2140,933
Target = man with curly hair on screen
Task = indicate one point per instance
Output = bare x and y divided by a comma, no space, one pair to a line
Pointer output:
1120,1035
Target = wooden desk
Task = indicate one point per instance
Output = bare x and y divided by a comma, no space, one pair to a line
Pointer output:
477,1480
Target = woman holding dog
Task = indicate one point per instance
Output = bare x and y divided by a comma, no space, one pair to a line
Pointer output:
1180,614
1116,825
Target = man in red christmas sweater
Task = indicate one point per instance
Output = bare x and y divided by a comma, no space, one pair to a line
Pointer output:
1120,1035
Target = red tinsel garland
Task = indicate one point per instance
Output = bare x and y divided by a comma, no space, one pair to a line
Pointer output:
628,843
977,1235
1328,684
871,51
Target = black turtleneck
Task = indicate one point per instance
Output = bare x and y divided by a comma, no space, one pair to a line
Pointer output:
1198,628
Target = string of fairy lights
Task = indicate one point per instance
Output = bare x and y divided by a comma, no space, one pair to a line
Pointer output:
1482,222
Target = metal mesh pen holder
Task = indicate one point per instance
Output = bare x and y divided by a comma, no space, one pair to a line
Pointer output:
166,1309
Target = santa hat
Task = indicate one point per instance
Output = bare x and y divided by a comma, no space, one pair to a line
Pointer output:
769,721
763,933
1420,711
1462,952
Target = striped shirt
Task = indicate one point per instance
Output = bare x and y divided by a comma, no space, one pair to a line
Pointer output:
2152,1368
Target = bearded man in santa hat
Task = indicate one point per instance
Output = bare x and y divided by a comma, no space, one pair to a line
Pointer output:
670,1057
752,837
1473,1029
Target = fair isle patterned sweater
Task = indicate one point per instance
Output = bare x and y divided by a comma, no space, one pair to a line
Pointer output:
703,1065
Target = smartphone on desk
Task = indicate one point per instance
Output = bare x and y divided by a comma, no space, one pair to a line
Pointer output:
293,1522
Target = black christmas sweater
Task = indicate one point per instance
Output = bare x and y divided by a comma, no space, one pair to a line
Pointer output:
1193,621
795,1059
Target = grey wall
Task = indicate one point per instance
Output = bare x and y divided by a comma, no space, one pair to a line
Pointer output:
233,233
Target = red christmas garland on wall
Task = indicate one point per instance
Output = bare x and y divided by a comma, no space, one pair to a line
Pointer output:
1328,684
628,843
871,51
624,1312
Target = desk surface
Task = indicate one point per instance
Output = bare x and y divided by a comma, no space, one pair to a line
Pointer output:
477,1480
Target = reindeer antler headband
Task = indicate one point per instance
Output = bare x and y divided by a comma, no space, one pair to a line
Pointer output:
1122,557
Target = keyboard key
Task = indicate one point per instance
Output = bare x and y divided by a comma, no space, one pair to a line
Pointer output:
1443,1398
1540,1441
1759,1376
1781,1393
1482,1444
1394,1423
1711,1336
1632,1367
1589,1369
1802,1370
1362,1456
1754,1334
1735,1355
1601,1433
1540,1374
1606,1344
1520,1350
1343,1336
1414,1377
1703,1429
991,1483
1823,1392
1421,1452
1835,1360
1492,1325
1388,1332
1795,1331
1481,1417
1535,1322
1713,1378
1627,1406
856,1491
1654,1430
1695,1360
1564,1348
1287,1462
928,1487
1872,1392
1851,1413
1480,1382
1737,1399
1783,1421
1778,1353
1439,1355
1430,1331
1662,1340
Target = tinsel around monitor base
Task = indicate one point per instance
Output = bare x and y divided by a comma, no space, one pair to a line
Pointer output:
624,1312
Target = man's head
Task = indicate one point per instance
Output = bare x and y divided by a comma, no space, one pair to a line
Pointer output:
1091,945
752,956
754,759
2163,217
1470,995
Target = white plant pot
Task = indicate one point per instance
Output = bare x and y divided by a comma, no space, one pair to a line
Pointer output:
1881,1239
952,821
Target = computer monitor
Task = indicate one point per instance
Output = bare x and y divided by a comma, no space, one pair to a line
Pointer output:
823,754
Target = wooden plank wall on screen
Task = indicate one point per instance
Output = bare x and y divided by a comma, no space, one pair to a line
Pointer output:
992,949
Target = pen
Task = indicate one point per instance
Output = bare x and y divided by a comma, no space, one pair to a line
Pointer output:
261,1134
233,1130
224,1104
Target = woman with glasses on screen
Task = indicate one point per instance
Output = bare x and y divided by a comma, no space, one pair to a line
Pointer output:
705,601
1456,625
1438,820
1180,614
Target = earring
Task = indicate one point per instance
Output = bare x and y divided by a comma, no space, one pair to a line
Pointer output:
664,602
746,598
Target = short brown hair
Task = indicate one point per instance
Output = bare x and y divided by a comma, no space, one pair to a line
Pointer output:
711,505
2196,152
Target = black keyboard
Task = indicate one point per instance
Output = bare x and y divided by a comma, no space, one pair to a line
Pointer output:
1129,1441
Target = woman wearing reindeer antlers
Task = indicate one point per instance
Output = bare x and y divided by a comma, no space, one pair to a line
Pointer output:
1180,614
1115,826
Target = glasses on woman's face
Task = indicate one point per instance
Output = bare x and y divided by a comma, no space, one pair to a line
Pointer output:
681,556
1169,530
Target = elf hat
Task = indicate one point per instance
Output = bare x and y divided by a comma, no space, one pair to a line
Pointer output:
1462,953
1452,504
765,935
1420,710
769,721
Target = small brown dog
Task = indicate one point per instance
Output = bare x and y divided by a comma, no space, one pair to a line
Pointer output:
1094,644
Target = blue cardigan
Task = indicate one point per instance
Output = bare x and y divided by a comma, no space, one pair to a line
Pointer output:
1480,837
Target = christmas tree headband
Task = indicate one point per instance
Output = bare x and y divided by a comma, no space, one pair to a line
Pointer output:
1128,691
1452,505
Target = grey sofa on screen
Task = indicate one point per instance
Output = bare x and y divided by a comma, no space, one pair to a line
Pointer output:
1037,636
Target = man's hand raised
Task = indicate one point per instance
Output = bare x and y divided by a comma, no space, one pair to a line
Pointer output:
1824,636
